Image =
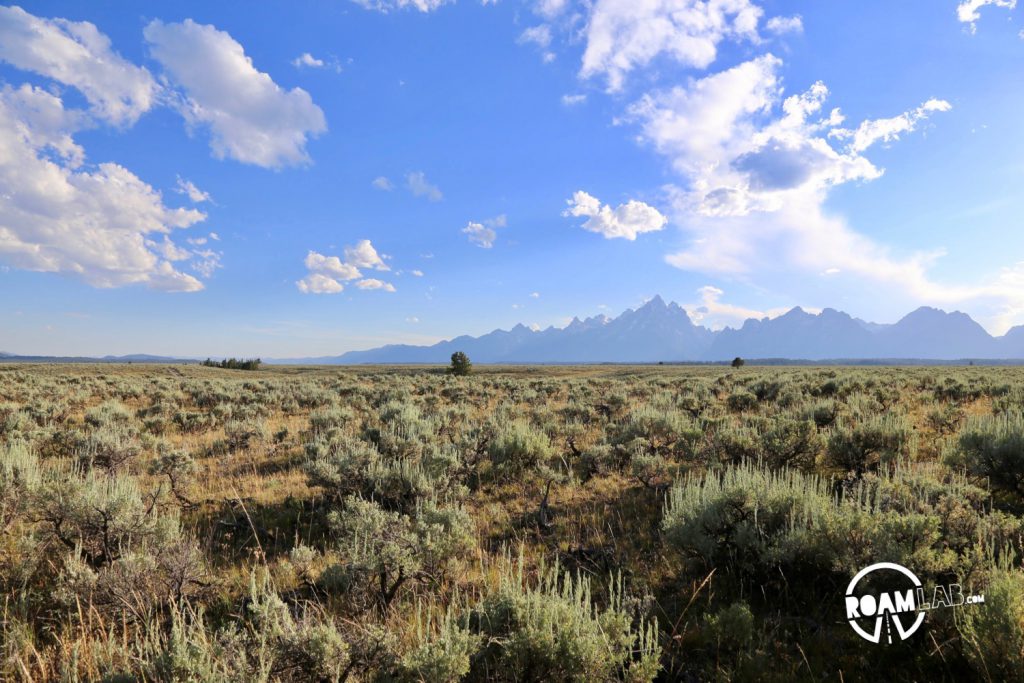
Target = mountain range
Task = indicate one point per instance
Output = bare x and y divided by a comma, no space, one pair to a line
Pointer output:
131,358
664,332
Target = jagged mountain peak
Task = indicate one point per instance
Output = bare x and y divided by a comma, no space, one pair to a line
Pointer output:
655,302
661,331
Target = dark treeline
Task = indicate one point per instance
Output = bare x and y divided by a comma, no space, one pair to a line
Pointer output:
234,363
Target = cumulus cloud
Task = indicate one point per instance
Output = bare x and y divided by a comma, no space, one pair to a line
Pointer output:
250,118
104,225
757,168
967,12
419,186
480,235
363,255
76,54
623,35
189,189
327,273
332,266
318,283
781,25
743,148
382,183
484,234
626,220
307,60
373,283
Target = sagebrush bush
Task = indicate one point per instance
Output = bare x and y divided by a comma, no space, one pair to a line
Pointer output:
20,477
384,550
993,633
553,631
518,449
101,516
869,444
752,522
992,447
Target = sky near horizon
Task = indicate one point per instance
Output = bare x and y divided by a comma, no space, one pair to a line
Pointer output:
307,178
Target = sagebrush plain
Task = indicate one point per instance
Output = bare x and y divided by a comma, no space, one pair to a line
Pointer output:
601,523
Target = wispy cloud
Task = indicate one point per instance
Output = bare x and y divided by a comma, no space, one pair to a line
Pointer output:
418,184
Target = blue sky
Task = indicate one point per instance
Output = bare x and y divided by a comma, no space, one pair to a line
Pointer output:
300,179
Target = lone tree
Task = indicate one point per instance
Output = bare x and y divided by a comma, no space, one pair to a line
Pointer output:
461,364
738,362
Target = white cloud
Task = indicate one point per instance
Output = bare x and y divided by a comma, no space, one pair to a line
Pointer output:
307,60
484,234
715,314
189,189
888,130
332,266
549,9
206,261
318,283
416,273
480,235
326,273
363,255
104,226
626,220
534,295
168,249
251,119
372,283
757,168
539,35
386,6
780,25
573,100
967,12
802,238
412,319
78,55
419,186
743,148
382,183
199,241
622,35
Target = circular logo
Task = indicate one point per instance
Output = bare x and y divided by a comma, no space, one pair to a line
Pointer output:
889,609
